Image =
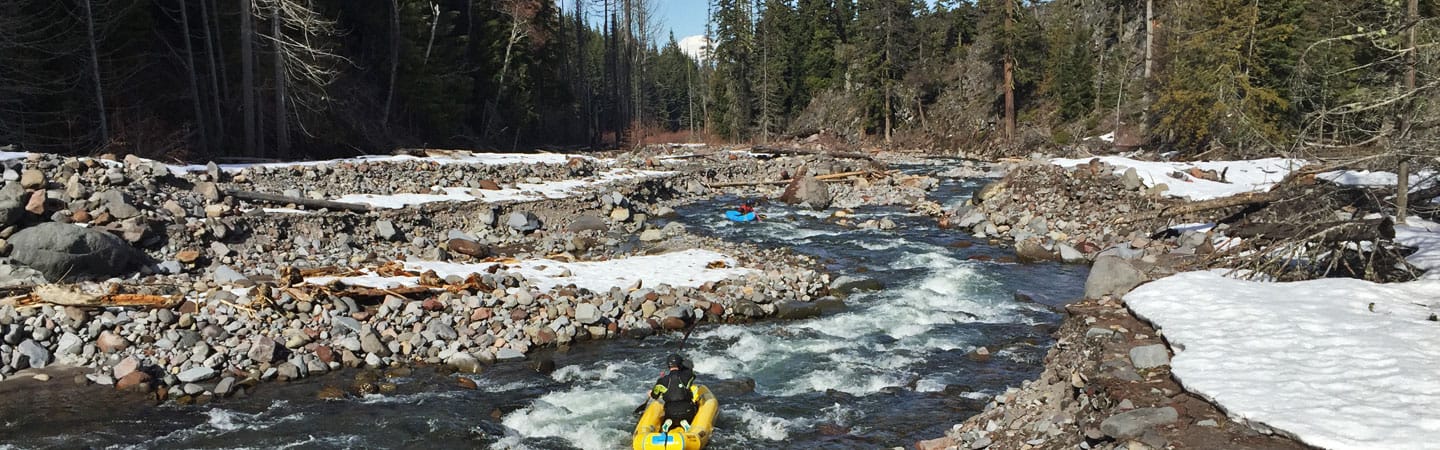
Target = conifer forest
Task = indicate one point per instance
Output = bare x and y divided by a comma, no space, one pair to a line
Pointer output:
291,79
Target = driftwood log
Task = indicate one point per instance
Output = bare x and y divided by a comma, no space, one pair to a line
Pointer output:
1372,230
286,200
1201,206
831,178
796,151
71,296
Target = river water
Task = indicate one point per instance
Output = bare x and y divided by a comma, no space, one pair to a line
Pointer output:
893,368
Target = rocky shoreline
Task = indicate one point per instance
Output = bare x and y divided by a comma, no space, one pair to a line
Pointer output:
237,291
1106,381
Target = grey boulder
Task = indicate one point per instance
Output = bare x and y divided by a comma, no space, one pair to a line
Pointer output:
68,252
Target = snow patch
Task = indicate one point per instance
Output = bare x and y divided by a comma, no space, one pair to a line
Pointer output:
1335,363
1366,178
1241,176
687,268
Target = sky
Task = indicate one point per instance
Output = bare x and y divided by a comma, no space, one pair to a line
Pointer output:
684,17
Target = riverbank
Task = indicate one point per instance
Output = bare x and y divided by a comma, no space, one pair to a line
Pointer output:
1108,381
252,273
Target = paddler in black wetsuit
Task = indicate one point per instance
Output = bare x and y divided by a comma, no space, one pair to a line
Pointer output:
676,388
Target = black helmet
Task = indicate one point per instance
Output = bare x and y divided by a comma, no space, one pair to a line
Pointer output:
675,360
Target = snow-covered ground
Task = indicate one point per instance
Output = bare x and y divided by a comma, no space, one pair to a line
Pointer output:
521,192
1419,180
690,268
1241,176
1338,363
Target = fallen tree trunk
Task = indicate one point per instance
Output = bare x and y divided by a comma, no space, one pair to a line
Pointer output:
69,296
1207,205
796,151
831,178
1372,230
286,200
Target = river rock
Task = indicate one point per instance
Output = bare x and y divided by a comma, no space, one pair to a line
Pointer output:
226,275
117,203
846,284
587,313
370,343
467,247
109,342
1031,251
1149,356
1132,424
125,367
32,179
464,362
1112,276
651,235
809,191
11,212
792,310
508,354
196,375
385,229
135,381
442,330
523,221
1069,254
619,214
587,222
262,349
36,354
225,387
64,251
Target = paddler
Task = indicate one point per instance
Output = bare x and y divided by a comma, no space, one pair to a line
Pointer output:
676,387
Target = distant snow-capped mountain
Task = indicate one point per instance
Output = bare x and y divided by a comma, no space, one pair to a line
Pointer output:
696,46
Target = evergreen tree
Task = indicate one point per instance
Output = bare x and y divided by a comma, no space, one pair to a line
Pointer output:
732,85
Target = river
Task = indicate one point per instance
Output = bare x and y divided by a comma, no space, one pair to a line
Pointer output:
895,367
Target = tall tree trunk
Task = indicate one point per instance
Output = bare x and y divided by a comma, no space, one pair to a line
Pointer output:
886,73
215,95
218,51
282,125
247,75
394,61
95,75
434,23
1009,75
1402,185
1145,84
194,82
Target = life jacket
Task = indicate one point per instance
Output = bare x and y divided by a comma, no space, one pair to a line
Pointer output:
677,389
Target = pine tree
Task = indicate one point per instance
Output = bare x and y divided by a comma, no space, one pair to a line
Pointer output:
734,66
1215,85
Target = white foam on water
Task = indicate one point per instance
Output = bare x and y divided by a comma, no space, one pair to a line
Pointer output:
608,371
879,245
843,378
406,399
222,421
763,426
489,386
930,385
589,417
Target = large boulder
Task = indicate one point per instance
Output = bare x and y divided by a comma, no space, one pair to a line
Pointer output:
68,252
1112,276
523,222
808,190
11,212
